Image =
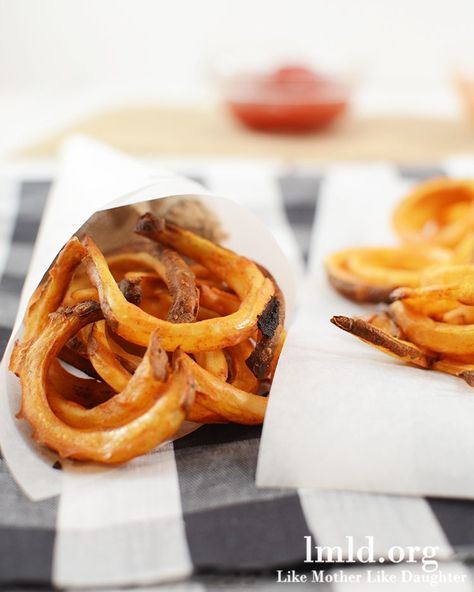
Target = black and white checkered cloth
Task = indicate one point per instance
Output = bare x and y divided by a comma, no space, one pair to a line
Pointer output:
229,525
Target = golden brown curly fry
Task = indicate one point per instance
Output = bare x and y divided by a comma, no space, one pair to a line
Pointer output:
221,302
439,212
443,338
270,324
47,298
224,399
173,270
403,350
181,283
242,377
138,395
105,363
200,414
138,436
80,295
76,360
214,362
370,274
135,325
129,360
87,392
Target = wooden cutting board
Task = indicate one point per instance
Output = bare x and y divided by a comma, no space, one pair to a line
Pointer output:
172,131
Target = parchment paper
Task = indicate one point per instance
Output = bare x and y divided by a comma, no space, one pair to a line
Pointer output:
343,415
94,177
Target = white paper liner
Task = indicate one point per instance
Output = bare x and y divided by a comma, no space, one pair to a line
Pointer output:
93,178
343,415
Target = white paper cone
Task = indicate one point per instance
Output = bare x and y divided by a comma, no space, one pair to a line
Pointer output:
93,177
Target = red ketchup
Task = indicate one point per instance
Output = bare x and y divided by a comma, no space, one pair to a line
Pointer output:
290,99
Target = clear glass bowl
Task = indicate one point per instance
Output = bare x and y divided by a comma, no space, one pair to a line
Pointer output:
281,91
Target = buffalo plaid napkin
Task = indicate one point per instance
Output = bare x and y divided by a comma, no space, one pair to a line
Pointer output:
217,522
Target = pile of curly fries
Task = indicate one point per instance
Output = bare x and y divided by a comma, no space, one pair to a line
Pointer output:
120,348
427,282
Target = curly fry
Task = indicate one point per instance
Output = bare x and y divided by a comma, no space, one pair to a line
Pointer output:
47,297
104,360
176,274
383,321
238,272
135,325
181,283
137,396
130,361
463,370
406,351
80,295
242,377
224,399
270,325
371,274
439,212
214,362
460,315
138,436
436,336
223,303
393,346
87,392
133,258
200,414
276,356
464,251
76,360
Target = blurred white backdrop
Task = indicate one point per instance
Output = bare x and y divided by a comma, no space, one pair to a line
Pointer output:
161,46
66,54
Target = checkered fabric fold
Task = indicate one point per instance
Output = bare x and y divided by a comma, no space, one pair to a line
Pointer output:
224,524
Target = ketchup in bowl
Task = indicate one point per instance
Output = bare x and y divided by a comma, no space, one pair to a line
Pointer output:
289,99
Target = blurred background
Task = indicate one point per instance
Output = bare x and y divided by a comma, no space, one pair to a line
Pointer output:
156,77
